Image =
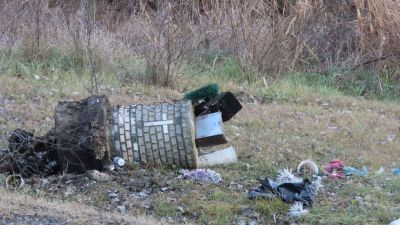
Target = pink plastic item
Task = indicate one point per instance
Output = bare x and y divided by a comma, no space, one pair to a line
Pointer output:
334,169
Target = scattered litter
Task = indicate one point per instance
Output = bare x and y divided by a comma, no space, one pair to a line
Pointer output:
73,146
260,192
118,161
142,194
206,92
121,208
224,156
112,194
396,171
297,210
334,169
110,167
359,200
181,209
226,103
396,222
201,175
146,204
15,181
297,191
380,171
208,130
253,222
69,191
307,168
98,176
349,171
390,138
165,189
286,176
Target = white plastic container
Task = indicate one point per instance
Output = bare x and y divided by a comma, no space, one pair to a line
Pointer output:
224,156
208,125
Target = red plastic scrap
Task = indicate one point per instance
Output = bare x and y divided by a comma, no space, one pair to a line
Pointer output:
334,169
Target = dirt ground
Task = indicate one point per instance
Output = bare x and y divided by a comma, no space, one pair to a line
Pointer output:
17,208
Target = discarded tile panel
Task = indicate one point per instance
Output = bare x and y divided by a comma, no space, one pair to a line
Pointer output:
160,134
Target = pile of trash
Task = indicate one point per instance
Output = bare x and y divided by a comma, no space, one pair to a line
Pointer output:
337,169
301,188
201,175
290,189
211,109
89,134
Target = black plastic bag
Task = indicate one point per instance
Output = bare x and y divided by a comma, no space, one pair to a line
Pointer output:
226,103
287,192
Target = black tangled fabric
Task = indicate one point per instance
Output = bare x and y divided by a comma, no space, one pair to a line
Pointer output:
287,192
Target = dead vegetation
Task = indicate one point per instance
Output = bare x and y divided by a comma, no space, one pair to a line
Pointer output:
59,212
265,37
268,136
52,50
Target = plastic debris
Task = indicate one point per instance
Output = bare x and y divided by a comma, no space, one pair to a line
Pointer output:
208,130
220,157
297,210
206,92
396,222
298,191
349,171
396,171
110,167
98,176
307,168
380,171
118,161
287,192
334,169
226,103
286,176
15,181
201,175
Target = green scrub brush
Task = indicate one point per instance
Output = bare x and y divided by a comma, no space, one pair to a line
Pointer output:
206,92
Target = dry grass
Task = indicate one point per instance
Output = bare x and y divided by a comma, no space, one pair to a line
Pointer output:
265,37
76,213
268,137
319,128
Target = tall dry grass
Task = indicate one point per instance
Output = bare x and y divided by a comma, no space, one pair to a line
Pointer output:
267,36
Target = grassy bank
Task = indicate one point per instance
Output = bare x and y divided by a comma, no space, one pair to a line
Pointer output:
284,120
